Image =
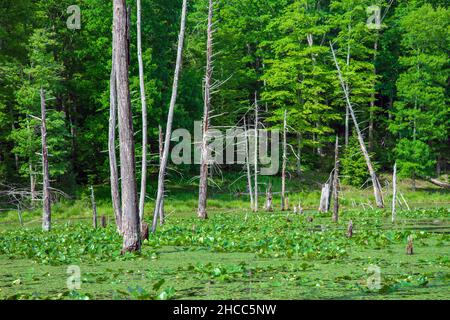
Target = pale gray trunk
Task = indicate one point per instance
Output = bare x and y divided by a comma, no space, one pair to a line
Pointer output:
161,152
159,204
336,183
283,170
144,116
269,199
46,217
130,214
203,185
247,163
114,176
255,207
94,209
299,154
325,198
373,175
394,193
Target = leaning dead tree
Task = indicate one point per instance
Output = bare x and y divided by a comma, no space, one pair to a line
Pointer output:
336,183
47,210
114,176
376,184
441,184
159,204
203,184
130,214
144,116
283,171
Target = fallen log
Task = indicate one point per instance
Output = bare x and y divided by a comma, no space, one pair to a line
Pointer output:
441,184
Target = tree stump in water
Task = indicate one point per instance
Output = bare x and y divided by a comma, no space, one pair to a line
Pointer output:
325,198
410,246
350,229
269,199
103,221
144,231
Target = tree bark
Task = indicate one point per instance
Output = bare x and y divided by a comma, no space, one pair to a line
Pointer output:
441,184
373,175
247,162
336,184
394,193
283,170
161,152
325,198
47,212
144,116
159,204
114,176
94,209
203,185
255,207
130,214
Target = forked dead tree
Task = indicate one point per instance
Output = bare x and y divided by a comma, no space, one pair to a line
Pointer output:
130,214
159,204
203,185
375,182
46,201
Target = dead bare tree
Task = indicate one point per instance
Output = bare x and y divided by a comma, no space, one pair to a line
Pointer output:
130,214
47,211
269,197
161,152
114,176
247,163
144,116
159,204
376,184
394,193
94,208
283,170
336,183
203,184
255,199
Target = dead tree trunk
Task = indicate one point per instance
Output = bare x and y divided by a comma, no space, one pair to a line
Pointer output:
269,199
47,212
336,184
299,154
94,209
159,204
114,176
161,152
325,198
283,170
203,185
144,116
376,184
130,218
255,207
247,162
394,193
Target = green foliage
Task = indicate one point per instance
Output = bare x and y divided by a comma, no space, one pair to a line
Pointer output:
354,166
414,159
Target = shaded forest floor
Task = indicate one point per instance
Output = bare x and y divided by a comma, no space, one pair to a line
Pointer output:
236,254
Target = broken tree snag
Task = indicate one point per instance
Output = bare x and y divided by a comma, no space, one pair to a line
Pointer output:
103,221
350,229
410,246
144,231
325,198
114,176
376,184
94,209
161,152
283,171
144,115
286,203
255,207
269,198
336,183
159,205
394,193
247,163
440,183
130,215
46,211
203,185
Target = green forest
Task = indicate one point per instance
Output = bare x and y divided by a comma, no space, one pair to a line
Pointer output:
92,93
